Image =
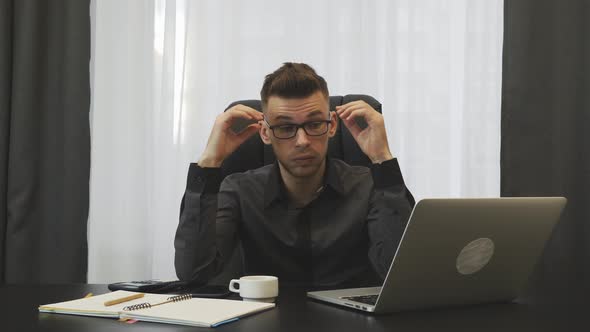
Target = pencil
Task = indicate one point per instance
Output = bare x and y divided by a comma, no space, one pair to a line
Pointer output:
123,299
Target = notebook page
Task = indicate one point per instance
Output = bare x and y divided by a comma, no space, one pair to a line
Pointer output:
94,305
198,311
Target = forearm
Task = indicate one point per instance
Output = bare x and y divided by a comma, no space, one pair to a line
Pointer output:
196,257
391,205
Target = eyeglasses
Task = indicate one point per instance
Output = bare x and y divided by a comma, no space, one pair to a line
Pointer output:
311,128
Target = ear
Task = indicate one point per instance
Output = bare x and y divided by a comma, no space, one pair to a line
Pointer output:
333,124
265,133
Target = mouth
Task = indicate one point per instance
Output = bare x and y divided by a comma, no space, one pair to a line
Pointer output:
303,159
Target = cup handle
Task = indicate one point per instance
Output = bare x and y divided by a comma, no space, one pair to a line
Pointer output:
232,285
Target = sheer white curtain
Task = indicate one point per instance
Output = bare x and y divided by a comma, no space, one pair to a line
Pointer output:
162,70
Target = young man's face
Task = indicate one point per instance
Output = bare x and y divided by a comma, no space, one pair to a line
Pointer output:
302,155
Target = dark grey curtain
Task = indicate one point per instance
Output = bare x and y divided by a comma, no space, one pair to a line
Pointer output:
44,140
546,130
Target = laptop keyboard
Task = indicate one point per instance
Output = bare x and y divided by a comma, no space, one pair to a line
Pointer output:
367,299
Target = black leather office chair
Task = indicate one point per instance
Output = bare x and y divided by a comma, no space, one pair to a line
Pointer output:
254,153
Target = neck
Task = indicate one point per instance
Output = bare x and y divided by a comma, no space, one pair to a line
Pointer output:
302,190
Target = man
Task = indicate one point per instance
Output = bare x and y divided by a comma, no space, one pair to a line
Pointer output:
307,219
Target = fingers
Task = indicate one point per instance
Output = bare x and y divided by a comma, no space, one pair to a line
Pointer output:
249,131
352,126
348,115
355,103
348,112
240,115
245,112
344,111
352,113
359,109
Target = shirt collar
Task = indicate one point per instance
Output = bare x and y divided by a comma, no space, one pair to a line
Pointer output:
275,189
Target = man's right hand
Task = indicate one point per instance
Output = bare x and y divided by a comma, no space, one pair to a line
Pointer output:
222,140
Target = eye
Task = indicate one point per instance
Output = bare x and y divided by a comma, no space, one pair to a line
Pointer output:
314,125
285,129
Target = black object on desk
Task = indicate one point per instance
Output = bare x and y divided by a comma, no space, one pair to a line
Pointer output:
148,286
177,287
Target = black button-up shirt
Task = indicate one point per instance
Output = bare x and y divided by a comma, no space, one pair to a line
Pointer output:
347,236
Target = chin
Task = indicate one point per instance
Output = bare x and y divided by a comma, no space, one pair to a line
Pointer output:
302,171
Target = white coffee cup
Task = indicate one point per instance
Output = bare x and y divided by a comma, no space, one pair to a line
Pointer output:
256,288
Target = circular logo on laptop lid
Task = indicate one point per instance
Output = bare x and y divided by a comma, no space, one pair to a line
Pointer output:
475,255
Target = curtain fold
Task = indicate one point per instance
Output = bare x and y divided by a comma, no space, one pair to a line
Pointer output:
44,140
546,130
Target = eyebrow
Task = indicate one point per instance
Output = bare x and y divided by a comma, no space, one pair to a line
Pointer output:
309,115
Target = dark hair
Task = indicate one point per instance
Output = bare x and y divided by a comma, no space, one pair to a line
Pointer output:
292,80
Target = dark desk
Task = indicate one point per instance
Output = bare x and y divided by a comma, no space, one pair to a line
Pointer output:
294,312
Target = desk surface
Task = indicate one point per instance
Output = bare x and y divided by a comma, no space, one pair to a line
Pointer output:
294,312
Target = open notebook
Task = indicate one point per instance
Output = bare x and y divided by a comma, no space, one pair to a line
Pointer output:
190,311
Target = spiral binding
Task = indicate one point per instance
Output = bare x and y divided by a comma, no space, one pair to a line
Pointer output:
180,297
144,305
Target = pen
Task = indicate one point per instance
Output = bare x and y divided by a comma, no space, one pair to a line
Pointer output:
123,299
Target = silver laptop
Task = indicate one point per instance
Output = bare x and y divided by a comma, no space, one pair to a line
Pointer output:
460,251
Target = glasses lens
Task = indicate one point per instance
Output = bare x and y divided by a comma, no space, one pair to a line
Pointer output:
285,131
316,128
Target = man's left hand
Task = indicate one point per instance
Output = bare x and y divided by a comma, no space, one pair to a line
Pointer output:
372,139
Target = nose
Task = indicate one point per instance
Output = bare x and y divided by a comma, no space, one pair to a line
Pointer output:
301,138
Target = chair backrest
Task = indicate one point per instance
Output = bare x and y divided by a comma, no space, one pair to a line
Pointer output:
254,153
